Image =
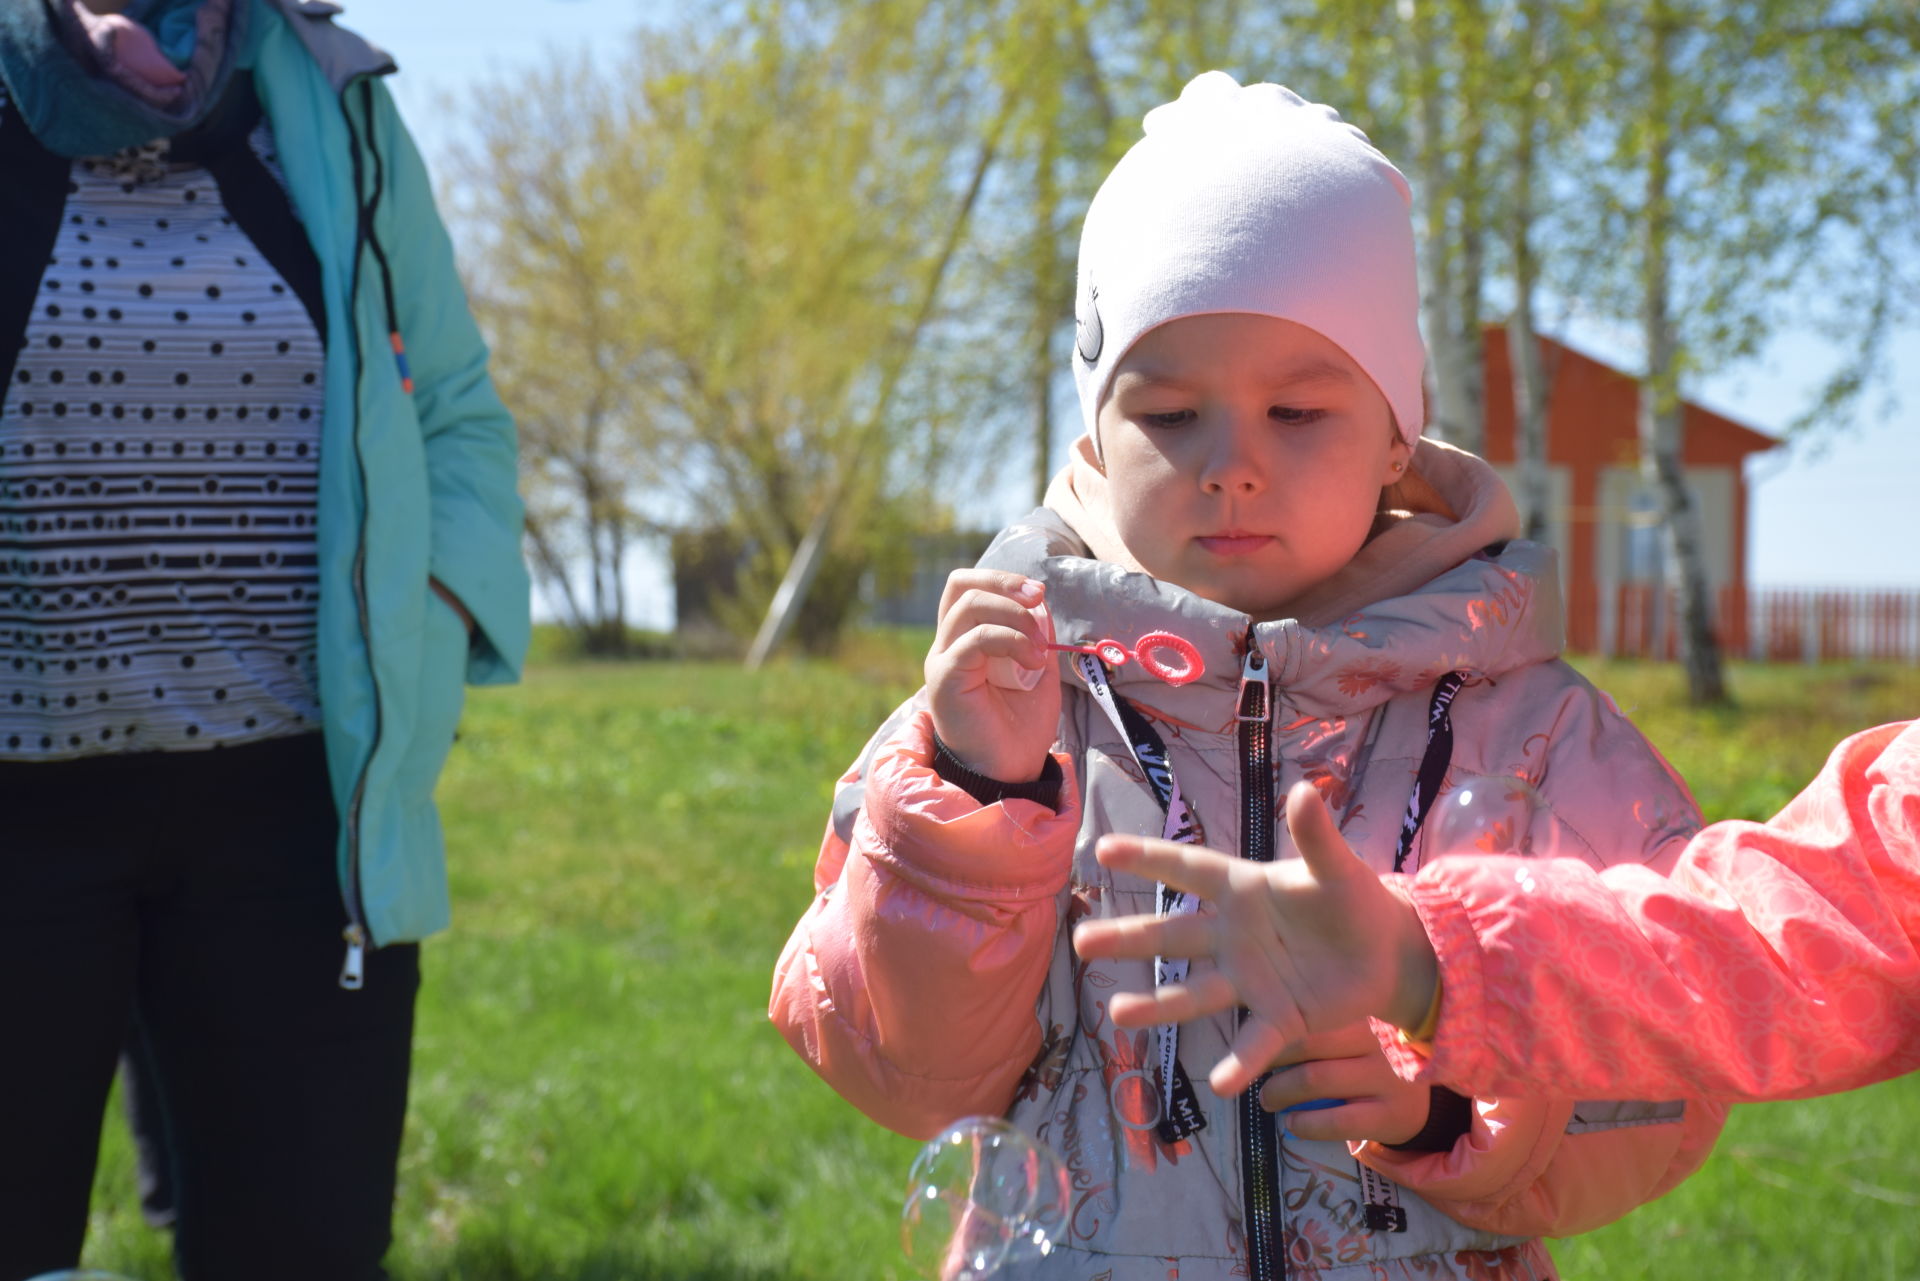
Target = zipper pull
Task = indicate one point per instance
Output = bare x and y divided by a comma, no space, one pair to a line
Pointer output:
1253,686
400,359
353,974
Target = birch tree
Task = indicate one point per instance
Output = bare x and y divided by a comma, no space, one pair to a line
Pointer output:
707,273
1528,95
1770,146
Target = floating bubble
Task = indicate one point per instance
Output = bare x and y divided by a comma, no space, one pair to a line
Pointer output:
982,1194
79,1275
1490,814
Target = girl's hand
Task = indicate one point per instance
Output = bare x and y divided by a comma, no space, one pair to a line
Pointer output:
1002,733
1347,1065
1308,945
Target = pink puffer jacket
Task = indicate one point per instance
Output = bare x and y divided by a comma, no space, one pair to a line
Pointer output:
933,976
1781,960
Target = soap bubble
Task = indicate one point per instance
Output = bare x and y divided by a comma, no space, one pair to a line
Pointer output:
1491,814
982,1194
79,1275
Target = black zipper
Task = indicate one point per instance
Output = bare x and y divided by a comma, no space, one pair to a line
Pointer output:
352,972
1259,1128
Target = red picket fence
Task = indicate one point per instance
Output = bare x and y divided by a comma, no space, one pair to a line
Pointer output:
1830,624
1781,625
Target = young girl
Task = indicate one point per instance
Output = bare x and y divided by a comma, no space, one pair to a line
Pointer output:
1360,615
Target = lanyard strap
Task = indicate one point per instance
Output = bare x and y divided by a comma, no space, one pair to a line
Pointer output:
1433,764
1180,1113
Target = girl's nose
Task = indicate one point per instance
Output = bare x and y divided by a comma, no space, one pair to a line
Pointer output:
1231,466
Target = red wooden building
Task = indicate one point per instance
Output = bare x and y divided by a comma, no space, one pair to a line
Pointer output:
1603,520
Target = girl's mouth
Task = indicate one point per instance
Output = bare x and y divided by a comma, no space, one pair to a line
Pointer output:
1234,542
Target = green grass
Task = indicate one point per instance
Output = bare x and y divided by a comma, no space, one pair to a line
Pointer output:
598,1094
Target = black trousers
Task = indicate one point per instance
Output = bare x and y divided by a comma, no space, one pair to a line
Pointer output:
187,903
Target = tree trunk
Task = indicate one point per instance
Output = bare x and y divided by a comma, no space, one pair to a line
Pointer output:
553,568
1661,419
1044,267
1451,361
1469,408
798,580
1523,345
617,567
1529,414
596,555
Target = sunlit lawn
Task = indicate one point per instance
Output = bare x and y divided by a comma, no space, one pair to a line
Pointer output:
598,1094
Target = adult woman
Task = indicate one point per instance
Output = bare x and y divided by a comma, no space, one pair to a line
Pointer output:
251,557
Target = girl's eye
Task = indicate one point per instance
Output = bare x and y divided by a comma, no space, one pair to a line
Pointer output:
1295,417
1172,418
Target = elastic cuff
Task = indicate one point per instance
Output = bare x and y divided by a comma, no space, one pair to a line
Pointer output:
1429,1025
1044,790
1449,1118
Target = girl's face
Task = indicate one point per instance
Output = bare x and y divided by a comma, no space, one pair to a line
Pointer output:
1245,456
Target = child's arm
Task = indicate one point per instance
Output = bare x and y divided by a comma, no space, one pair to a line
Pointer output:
1519,1171
1518,1168
1536,1167
910,985
1782,960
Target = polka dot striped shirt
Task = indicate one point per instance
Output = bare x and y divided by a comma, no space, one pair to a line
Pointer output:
159,448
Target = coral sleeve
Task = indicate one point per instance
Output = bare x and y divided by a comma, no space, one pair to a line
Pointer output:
1527,1168
911,983
1533,1163
1780,960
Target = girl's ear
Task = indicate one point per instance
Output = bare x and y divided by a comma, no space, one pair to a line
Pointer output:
1398,459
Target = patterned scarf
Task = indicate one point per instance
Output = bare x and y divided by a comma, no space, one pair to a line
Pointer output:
92,86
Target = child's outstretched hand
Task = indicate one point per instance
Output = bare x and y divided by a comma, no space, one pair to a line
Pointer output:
1307,945
1346,1065
996,728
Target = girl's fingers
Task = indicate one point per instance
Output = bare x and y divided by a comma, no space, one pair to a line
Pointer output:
1350,1119
985,641
1319,1079
1355,1041
1317,837
1138,937
1200,996
1193,868
975,610
1254,1048
1024,591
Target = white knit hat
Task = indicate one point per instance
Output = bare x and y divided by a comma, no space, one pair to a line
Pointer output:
1252,199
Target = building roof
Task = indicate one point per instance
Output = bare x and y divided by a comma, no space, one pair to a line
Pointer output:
1593,413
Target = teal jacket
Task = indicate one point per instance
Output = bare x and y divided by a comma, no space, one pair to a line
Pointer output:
416,479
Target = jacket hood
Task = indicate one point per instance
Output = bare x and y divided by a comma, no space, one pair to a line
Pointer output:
1442,585
342,56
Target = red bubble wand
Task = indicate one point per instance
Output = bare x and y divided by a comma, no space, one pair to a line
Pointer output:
1173,659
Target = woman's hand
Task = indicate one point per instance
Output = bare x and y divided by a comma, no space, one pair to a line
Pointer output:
1346,1065
1001,732
453,603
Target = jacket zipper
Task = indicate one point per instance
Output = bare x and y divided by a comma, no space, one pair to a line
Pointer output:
358,939
1259,1128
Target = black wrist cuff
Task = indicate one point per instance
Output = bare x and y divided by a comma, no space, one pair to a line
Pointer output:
1044,790
1449,1117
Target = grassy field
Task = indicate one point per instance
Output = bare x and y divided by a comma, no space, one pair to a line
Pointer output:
598,1094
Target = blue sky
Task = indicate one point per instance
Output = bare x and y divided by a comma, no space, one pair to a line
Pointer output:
1832,511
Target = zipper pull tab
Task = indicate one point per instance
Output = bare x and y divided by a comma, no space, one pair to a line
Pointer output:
353,974
1253,686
